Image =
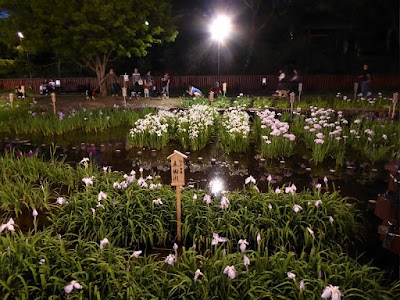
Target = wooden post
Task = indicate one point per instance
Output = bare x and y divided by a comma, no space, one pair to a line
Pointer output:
53,99
125,89
395,100
124,94
178,179
355,90
300,90
23,91
11,97
224,88
292,96
211,98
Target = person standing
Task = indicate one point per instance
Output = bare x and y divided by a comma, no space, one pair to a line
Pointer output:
148,83
137,82
165,80
295,81
281,80
113,80
366,77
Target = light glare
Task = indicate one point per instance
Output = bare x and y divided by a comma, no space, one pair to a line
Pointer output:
20,35
216,186
220,28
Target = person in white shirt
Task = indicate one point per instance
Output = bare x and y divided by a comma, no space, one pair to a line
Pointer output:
281,80
137,82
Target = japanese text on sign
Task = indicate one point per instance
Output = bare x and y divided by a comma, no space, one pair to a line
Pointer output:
177,171
177,168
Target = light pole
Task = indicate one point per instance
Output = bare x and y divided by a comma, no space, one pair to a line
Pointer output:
220,30
21,37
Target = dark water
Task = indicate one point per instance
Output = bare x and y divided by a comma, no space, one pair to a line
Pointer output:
110,148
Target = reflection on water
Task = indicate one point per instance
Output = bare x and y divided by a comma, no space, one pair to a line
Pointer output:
224,171
111,149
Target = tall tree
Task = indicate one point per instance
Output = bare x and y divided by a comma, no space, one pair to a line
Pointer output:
92,32
261,13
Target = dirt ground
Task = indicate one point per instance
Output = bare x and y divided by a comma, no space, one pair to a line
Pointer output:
69,102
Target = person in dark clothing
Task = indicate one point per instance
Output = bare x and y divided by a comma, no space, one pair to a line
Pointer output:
366,78
148,83
113,80
137,82
165,80
295,81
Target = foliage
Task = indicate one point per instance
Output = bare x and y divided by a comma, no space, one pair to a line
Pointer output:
195,126
28,182
93,32
153,131
130,214
24,120
235,130
94,235
42,265
274,136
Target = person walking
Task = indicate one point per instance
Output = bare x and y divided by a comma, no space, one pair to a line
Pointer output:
148,84
281,80
113,80
295,81
165,80
137,82
366,78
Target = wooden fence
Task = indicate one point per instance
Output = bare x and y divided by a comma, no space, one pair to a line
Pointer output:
240,83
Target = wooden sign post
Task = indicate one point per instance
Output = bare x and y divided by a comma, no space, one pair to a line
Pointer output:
292,96
53,99
23,92
125,89
355,90
395,100
11,97
300,90
178,179
211,98
124,94
224,88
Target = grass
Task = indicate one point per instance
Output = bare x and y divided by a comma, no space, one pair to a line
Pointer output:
39,264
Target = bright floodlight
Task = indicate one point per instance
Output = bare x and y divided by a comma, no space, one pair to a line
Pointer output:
21,36
216,186
220,28
146,23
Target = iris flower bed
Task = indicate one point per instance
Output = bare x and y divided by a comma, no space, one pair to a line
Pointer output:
142,212
274,135
244,244
192,128
47,123
195,126
330,134
154,130
45,264
338,101
99,243
30,183
235,130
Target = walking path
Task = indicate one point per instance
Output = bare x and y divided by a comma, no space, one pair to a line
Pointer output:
68,102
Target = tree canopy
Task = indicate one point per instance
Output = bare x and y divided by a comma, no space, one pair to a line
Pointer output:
312,35
91,32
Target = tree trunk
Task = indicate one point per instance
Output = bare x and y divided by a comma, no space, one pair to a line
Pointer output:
250,52
99,66
102,85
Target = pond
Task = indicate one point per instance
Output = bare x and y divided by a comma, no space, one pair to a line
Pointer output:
226,170
111,148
